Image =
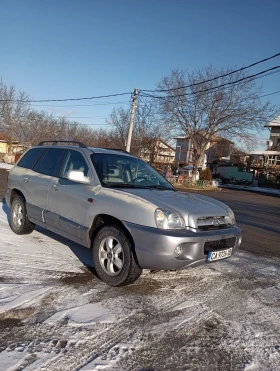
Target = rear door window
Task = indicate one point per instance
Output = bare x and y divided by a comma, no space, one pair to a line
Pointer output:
50,162
30,157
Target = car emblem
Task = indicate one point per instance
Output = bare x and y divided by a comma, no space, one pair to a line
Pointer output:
216,222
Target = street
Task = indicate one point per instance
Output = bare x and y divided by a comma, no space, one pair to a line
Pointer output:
56,315
258,216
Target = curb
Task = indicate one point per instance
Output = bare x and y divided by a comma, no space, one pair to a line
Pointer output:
197,189
266,193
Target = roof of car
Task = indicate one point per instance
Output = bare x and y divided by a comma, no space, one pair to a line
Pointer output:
93,149
110,150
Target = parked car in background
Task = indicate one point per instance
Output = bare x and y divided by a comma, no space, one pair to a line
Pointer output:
119,206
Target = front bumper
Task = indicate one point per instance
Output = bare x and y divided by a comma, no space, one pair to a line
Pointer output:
154,247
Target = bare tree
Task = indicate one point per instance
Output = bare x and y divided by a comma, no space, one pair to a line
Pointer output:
221,148
148,128
19,122
201,111
13,108
119,119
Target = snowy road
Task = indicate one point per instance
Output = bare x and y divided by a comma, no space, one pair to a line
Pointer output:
55,315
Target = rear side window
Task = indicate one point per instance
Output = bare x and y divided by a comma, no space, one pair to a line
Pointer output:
30,157
50,162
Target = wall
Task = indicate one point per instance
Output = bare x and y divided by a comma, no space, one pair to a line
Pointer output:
3,147
182,153
275,138
229,172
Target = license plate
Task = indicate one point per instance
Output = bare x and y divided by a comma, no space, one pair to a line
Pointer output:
217,255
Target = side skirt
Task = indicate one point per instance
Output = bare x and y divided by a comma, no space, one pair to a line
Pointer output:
82,241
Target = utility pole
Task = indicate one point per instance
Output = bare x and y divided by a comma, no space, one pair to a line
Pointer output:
133,108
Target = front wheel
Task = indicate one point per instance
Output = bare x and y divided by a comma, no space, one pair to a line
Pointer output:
113,257
20,223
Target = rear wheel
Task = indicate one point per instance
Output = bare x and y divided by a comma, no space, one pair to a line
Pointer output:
20,223
114,260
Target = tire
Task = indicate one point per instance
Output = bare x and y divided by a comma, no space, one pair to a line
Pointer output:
19,222
113,257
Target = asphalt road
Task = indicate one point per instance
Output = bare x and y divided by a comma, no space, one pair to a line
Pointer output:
258,216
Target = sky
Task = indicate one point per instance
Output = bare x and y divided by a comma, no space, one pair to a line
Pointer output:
56,49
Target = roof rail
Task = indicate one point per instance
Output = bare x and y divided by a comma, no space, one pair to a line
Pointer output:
54,142
117,149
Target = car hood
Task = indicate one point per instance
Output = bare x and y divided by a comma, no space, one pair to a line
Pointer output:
189,205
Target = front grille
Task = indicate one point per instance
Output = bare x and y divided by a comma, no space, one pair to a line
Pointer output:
212,227
216,245
210,223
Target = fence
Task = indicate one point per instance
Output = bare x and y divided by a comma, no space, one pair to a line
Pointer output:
187,183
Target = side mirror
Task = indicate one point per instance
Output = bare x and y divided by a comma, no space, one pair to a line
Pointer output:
77,176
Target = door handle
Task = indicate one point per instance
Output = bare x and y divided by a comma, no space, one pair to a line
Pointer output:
54,187
26,179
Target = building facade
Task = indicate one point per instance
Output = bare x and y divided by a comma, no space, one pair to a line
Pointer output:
269,158
215,150
159,153
9,148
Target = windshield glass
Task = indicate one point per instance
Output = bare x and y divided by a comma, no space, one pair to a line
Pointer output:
124,171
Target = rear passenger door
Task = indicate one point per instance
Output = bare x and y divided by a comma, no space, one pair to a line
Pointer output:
24,175
68,200
39,179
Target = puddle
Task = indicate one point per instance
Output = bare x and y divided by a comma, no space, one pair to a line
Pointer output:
80,278
7,323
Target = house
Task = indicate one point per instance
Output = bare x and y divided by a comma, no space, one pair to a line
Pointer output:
158,153
266,163
274,140
216,149
269,158
8,148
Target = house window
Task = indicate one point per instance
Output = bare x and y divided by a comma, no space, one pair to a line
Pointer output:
273,160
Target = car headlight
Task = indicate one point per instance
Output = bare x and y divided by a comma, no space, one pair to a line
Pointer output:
230,218
167,219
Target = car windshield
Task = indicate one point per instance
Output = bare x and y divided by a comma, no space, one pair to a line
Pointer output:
122,171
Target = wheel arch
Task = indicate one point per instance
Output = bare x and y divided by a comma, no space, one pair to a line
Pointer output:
16,192
103,220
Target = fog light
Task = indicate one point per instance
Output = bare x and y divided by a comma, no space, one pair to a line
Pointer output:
178,251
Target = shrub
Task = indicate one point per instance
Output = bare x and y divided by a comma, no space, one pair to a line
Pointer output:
205,174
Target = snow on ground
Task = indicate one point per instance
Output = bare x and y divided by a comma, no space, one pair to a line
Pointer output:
55,315
3,165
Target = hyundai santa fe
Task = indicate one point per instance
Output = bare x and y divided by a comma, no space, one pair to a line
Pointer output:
120,207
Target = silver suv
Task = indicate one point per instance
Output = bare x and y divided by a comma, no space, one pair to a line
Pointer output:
119,206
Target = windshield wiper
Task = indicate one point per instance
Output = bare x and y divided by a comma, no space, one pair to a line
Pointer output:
157,186
137,185
122,185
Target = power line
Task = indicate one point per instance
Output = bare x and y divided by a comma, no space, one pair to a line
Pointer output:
245,99
215,78
266,95
106,124
256,75
81,105
66,99
142,92
81,117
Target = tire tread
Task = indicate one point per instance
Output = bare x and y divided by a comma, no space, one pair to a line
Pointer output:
27,226
134,270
